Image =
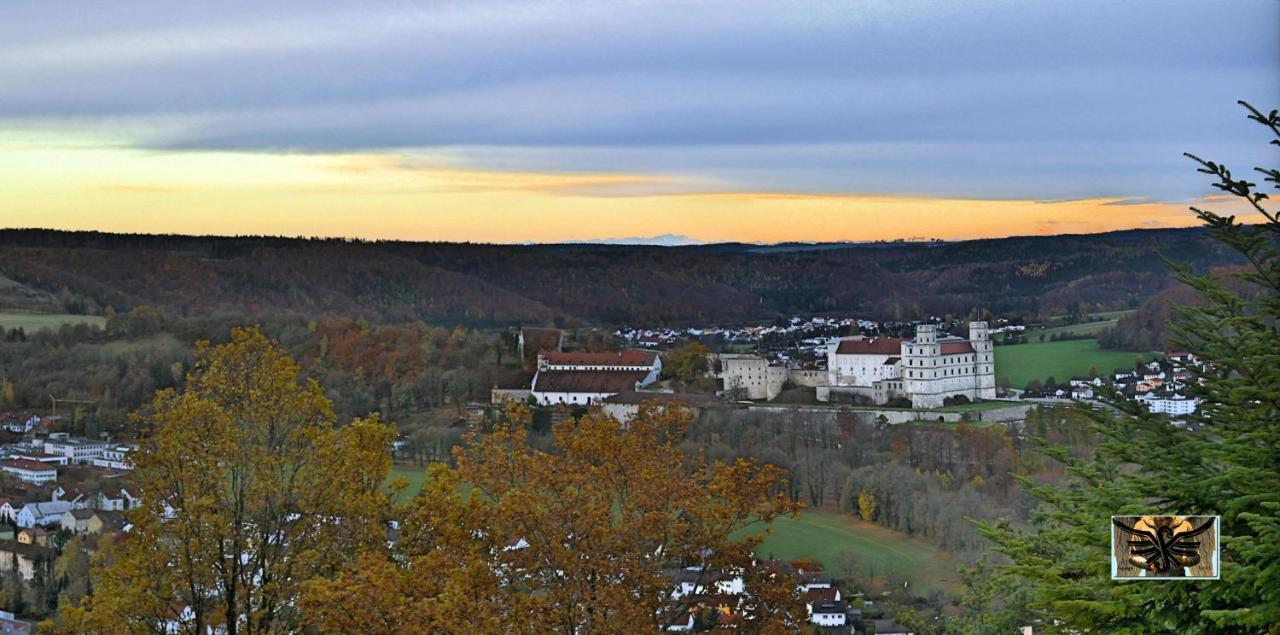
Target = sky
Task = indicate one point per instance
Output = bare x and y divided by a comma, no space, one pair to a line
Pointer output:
670,122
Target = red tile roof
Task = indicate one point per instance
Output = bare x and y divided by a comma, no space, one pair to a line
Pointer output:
588,381
630,357
28,465
873,346
891,361
955,348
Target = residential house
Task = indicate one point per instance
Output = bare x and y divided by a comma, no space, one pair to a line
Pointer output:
695,580
1081,392
19,422
683,624
42,513
78,494
33,536
9,507
115,496
834,613
28,471
76,521
810,580
825,606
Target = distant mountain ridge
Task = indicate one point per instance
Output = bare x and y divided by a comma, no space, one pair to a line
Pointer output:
599,283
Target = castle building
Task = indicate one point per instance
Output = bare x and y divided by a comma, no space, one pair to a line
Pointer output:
926,369
750,377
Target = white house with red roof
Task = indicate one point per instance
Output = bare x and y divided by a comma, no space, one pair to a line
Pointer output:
927,369
581,378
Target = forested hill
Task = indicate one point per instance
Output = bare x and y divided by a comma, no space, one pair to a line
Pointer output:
608,284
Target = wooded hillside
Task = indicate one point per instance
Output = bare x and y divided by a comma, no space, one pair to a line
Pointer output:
479,284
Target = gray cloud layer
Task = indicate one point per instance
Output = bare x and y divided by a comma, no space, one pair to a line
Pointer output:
994,99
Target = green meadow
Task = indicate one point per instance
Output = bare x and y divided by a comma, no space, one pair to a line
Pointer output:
1062,360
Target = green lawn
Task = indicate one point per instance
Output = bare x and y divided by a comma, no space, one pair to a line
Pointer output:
415,475
1060,360
825,535
32,322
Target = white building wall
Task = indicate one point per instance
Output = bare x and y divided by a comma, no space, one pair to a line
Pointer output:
858,370
753,375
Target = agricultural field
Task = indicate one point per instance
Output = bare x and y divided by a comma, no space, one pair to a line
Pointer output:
32,322
1061,360
831,538
827,537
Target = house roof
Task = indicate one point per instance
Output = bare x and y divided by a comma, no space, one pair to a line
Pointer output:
956,348
587,381
891,361
82,514
629,357
632,397
829,608
820,594
28,465
872,346
44,508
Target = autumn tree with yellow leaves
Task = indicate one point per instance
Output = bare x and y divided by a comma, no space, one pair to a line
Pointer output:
575,540
249,490
261,515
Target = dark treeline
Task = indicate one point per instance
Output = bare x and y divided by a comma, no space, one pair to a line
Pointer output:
489,285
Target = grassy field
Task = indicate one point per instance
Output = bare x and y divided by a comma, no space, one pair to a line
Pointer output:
825,536
1108,320
1060,360
32,322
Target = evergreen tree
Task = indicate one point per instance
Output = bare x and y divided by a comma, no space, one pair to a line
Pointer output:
1057,574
